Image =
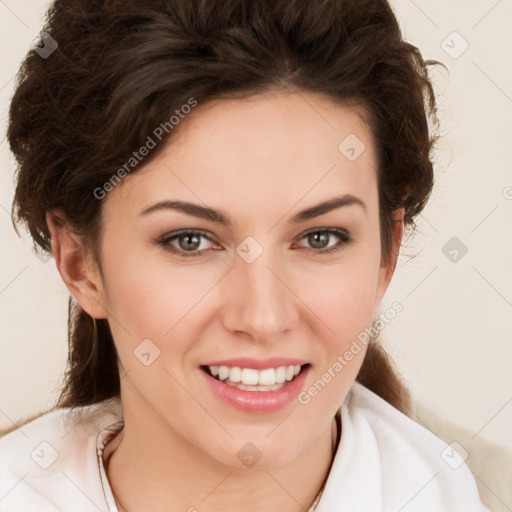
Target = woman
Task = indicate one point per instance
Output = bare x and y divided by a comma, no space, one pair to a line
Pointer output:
224,187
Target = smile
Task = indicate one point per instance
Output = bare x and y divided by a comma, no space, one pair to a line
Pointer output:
250,379
268,388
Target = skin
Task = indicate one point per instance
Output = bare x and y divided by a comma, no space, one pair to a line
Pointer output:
261,160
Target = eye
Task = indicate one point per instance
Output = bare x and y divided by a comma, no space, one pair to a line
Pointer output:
188,243
320,237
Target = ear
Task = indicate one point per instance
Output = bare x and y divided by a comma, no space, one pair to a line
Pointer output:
387,270
77,268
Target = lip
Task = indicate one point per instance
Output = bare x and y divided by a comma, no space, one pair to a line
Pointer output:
258,364
256,401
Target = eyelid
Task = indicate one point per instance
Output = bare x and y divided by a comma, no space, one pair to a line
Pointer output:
175,234
344,237
323,229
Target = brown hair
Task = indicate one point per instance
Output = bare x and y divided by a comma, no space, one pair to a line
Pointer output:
122,67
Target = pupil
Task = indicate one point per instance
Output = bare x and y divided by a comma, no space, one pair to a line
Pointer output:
187,244
315,237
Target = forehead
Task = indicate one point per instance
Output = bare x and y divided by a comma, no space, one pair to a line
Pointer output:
272,150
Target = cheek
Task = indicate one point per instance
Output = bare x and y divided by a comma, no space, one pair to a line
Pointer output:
343,296
347,294
156,300
345,308
344,305
146,299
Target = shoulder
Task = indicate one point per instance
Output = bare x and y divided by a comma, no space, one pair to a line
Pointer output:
384,452
51,460
490,462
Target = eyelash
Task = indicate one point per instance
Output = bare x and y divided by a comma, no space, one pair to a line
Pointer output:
345,239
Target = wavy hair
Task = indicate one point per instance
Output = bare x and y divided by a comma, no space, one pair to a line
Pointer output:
123,66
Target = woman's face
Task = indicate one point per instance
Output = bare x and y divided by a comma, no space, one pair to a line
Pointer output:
256,292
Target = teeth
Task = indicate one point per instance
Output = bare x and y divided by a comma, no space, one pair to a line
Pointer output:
251,379
254,388
235,374
267,377
280,374
223,372
249,376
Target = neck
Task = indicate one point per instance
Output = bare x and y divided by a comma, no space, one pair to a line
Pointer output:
151,467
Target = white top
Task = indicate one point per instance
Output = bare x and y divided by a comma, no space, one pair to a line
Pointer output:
385,462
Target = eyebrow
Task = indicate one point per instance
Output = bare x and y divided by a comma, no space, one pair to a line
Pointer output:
221,217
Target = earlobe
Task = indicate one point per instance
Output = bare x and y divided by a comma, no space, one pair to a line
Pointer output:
387,270
76,268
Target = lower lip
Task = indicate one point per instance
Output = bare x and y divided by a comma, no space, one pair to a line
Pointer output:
258,401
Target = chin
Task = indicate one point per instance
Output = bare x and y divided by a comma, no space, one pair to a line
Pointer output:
262,453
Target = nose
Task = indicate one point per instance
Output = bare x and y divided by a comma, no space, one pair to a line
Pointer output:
261,302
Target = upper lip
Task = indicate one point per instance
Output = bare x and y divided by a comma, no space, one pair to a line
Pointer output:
258,364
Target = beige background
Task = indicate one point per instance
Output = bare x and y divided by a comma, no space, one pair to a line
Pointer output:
452,341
